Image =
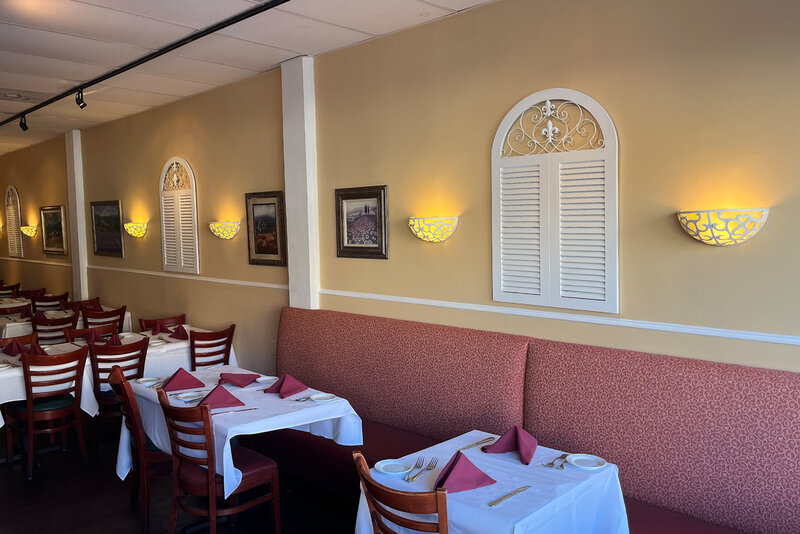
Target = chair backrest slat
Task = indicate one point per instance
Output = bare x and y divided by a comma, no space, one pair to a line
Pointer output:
49,302
30,293
104,358
149,324
44,374
8,291
51,330
73,334
27,339
211,348
93,319
22,310
79,305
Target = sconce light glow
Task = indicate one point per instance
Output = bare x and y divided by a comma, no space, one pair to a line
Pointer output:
29,231
135,229
722,228
225,230
433,229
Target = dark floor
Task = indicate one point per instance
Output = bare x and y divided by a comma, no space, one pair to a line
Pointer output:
68,494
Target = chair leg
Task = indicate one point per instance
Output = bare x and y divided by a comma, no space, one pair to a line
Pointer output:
234,504
144,504
79,432
276,503
30,449
135,483
212,514
176,501
9,441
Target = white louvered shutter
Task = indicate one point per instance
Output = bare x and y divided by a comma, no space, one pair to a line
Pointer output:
179,219
169,225
188,232
12,226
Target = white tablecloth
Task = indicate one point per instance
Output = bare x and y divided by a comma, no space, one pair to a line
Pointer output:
568,501
334,420
10,327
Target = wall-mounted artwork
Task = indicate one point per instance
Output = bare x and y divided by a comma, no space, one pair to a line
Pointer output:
361,225
266,228
107,227
54,229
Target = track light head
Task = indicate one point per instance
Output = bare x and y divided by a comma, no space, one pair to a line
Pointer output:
79,99
23,124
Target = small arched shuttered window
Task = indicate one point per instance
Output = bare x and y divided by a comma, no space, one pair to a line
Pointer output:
12,222
179,217
554,204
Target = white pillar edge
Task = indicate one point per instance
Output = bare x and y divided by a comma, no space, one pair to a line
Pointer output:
300,181
77,215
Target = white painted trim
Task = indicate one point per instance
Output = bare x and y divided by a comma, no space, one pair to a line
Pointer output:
76,214
43,262
229,281
762,337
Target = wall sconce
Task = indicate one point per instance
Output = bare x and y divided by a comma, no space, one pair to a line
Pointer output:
225,230
722,228
135,229
29,231
433,229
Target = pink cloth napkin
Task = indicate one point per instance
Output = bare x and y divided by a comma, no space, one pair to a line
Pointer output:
35,350
91,337
181,379
160,329
515,438
221,398
114,340
179,333
13,348
461,475
238,379
286,386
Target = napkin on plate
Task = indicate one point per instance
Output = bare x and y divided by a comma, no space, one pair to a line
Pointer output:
13,348
461,475
221,398
179,333
160,329
238,379
35,349
286,386
515,438
181,379
114,340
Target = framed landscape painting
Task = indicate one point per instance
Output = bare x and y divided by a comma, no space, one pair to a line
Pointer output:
361,225
107,227
266,228
54,229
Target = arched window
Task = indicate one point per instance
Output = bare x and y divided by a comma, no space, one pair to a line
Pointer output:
12,222
179,217
554,204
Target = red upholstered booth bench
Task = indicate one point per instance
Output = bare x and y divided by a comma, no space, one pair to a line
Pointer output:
701,446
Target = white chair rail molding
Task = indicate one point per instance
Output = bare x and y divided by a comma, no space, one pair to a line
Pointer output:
723,227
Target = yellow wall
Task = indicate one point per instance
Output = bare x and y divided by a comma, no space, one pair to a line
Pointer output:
232,138
704,97
39,173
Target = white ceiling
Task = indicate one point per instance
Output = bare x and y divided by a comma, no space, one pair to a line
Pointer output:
49,46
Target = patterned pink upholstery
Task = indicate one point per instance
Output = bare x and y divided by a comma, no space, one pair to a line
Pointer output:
720,442
437,381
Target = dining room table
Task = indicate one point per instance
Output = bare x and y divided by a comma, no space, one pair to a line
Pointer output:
12,326
555,497
330,416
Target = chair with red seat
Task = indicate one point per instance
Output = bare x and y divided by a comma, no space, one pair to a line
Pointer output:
130,358
21,310
8,291
49,302
79,305
209,349
93,319
29,294
53,388
51,330
194,467
100,332
148,460
149,324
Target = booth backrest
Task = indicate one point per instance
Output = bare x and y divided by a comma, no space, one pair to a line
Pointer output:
434,380
716,441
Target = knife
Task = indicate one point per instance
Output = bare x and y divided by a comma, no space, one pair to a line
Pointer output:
509,495
481,442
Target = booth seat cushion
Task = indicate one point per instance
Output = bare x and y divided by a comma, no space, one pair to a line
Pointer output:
715,441
433,380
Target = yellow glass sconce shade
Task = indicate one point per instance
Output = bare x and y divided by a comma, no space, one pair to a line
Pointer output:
135,229
433,229
29,231
225,230
722,228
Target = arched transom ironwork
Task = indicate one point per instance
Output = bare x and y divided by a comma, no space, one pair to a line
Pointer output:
177,178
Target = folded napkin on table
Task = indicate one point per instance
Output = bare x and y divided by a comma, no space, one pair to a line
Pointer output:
13,348
179,333
286,386
92,337
26,312
238,379
39,316
34,349
181,379
160,329
113,340
461,475
515,438
221,398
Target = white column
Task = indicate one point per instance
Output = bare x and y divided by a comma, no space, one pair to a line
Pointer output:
300,176
77,216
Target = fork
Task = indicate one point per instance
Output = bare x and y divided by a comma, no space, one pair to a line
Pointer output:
420,461
431,465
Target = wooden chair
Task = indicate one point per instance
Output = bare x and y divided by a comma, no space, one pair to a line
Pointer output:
74,334
382,502
53,387
8,291
194,467
79,305
93,319
149,324
49,302
51,331
24,310
29,294
211,348
130,358
28,339
148,460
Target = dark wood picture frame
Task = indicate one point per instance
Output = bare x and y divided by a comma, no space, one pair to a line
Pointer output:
54,229
266,228
362,229
107,228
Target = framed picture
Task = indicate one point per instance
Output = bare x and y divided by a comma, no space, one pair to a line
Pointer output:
107,227
54,229
266,228
361,226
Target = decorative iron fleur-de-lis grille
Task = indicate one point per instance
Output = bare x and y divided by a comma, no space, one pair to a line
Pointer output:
177,178
553,126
